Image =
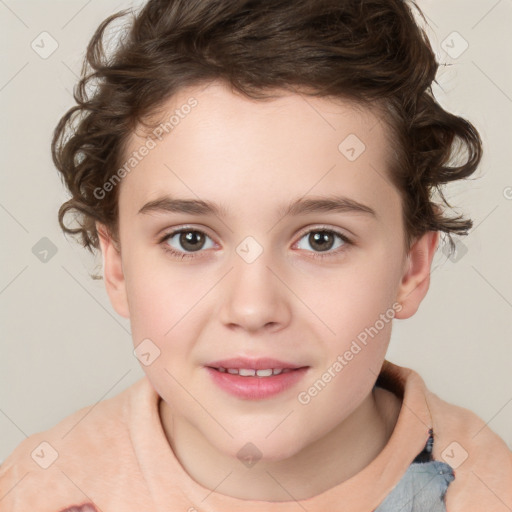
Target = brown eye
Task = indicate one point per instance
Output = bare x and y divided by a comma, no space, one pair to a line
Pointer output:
187,241
321,240
326,241
192,240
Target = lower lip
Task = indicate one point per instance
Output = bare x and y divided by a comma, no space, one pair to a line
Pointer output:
256,388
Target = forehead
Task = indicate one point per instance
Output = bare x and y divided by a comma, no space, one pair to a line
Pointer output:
214,143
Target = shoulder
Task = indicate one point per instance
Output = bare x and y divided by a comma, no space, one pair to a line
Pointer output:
481,460
83,444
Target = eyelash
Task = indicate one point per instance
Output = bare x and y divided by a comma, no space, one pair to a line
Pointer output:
317,255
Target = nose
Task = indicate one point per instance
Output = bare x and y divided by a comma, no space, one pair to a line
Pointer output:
253,298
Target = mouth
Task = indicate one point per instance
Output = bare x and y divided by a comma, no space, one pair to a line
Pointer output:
250,372
260,367
255,379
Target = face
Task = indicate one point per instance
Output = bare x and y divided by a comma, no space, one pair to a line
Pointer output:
299,258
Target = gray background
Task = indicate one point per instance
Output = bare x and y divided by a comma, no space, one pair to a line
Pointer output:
63,347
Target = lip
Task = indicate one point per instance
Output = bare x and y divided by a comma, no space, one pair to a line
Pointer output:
255,388
253,364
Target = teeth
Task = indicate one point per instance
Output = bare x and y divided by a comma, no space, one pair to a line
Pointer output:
264,373
248,372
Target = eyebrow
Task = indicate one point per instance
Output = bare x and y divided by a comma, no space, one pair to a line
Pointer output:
301,206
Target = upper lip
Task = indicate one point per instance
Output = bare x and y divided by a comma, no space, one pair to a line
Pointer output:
263,363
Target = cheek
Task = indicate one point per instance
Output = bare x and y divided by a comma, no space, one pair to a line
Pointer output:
352,298
169,307
356,304
156,297
359,313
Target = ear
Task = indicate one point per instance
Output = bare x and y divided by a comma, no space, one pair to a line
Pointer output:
416,278
113,272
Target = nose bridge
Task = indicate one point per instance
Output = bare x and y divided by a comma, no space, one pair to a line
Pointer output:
252,296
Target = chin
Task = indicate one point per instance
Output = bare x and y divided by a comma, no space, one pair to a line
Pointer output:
250,449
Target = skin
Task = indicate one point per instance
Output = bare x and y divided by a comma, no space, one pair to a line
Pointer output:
253,157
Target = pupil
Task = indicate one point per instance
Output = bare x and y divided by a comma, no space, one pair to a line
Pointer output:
192,240
321,240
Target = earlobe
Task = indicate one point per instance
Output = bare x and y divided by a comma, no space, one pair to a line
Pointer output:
113,274
416,278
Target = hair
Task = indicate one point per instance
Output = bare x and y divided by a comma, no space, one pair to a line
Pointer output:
370,52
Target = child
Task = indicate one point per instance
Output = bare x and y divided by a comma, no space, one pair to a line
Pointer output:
260,180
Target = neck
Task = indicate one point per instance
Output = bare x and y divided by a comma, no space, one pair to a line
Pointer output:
323,464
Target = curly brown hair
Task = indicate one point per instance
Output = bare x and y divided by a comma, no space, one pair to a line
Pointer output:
372,52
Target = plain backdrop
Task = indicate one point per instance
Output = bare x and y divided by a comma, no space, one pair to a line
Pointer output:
62,345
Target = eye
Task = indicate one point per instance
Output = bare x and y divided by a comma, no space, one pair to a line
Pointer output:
322,240
184,241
